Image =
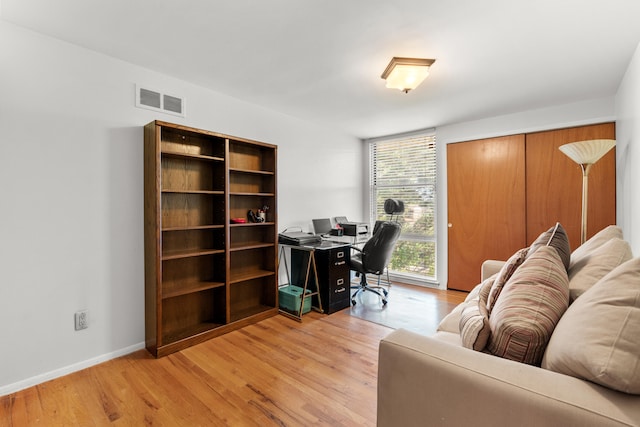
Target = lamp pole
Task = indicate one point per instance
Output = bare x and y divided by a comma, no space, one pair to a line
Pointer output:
585,189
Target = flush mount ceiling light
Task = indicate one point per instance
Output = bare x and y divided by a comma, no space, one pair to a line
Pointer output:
406,73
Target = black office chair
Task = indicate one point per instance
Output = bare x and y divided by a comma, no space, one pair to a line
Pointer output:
374,257
391,207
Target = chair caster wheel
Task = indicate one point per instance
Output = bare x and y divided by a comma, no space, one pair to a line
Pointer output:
385,292
353,302
384,302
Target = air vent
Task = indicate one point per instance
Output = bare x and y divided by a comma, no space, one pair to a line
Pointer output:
172,103
158,101
149,98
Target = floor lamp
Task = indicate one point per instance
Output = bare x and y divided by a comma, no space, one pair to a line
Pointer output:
586,153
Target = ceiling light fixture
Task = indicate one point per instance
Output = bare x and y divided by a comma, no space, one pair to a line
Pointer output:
406,73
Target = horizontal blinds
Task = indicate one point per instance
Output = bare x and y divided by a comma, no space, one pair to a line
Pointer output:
404,161
405,169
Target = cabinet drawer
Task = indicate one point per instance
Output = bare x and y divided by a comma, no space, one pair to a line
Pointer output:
338,272
338,285
339,257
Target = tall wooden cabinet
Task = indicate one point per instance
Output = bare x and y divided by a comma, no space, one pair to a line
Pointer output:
503,192
205,273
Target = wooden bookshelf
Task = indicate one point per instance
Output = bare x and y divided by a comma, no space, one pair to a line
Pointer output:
203,275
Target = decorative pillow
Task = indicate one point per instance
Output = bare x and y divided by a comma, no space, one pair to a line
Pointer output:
597,240
504,274
556,237
597,338
596,264
474,322
451,322
529,307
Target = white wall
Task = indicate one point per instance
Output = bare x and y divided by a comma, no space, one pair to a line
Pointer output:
554,117
587,112
627,152
71,211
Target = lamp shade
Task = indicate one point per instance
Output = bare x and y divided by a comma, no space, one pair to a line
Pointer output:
406,73
587,152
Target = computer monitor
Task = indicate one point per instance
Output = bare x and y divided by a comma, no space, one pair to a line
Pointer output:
322,226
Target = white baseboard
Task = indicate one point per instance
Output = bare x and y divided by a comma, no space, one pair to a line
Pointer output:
57,373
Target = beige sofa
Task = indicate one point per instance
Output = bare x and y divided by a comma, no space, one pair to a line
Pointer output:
593,352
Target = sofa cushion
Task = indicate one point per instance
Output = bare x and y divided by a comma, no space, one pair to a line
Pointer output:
604,324
597,240
451,322
529,307
474,320
503,275
556,237
593,266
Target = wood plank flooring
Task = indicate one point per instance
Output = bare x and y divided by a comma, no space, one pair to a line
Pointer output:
410,307
279,372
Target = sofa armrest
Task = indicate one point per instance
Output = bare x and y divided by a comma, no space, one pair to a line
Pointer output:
426,382
490,267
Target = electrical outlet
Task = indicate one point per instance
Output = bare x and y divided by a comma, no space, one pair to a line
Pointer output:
82,320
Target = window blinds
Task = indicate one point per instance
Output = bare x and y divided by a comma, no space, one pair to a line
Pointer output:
405,169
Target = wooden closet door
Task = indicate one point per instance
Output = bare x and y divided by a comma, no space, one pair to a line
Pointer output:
554,183
486,204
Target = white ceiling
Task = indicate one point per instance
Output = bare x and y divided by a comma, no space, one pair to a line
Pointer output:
321,60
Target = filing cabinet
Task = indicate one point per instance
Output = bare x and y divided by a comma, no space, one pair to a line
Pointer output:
333,274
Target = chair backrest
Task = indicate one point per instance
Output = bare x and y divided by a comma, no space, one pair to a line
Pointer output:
393,206
376,226
377,252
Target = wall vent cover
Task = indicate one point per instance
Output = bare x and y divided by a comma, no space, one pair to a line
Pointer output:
158,101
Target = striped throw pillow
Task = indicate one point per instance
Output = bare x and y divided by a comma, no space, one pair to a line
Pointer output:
529,307
474,320
504,275
556,237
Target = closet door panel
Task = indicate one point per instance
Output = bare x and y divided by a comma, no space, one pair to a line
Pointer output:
486,205
554,183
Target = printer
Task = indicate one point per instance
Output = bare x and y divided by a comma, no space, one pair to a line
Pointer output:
354,228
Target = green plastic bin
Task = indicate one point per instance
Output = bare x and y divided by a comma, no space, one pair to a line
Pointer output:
289,297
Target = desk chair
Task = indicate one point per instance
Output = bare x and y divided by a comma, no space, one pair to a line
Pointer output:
374,257
391,207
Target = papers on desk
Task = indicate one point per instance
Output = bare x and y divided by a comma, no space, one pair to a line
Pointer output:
297,238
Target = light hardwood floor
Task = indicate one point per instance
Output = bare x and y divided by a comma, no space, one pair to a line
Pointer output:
278,372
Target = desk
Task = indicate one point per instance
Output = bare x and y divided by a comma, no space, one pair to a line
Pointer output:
328,262
360,239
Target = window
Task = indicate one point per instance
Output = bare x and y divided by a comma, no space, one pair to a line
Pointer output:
405,168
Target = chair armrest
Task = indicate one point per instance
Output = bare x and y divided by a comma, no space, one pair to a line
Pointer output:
426,382
490,267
